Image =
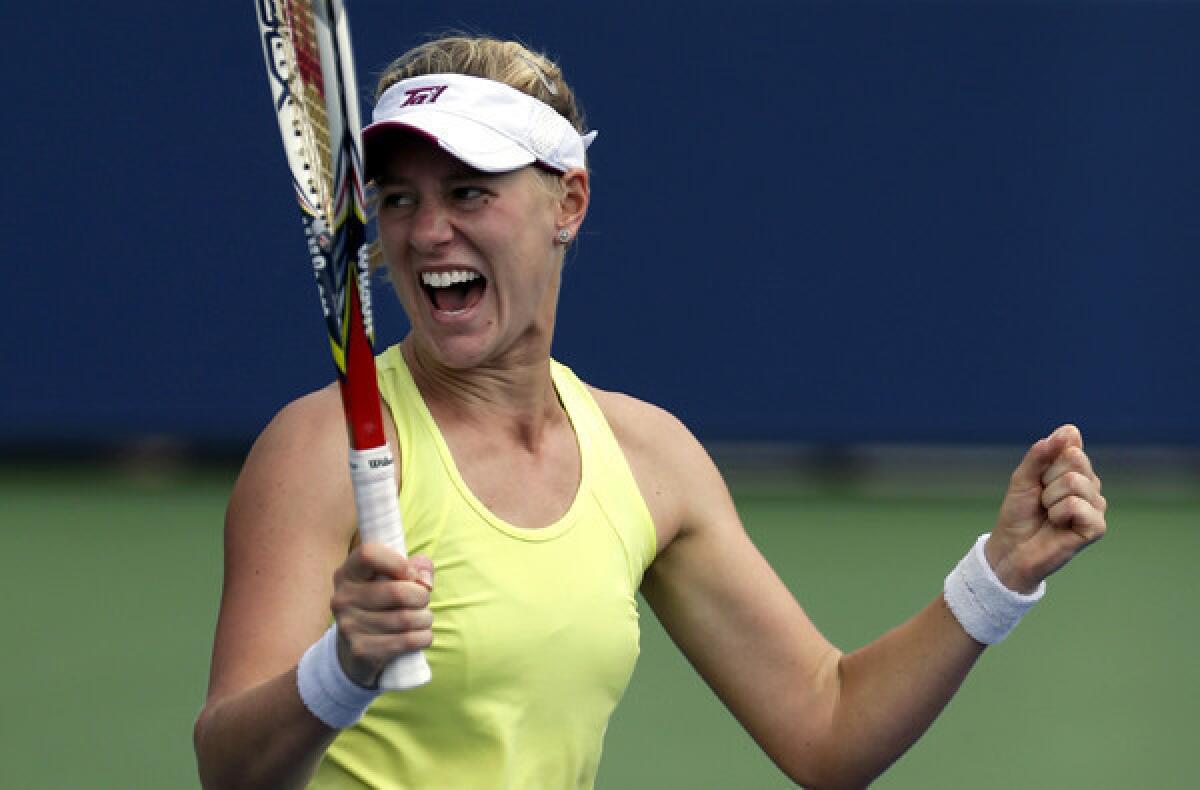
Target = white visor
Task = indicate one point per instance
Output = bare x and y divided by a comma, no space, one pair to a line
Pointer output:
485,124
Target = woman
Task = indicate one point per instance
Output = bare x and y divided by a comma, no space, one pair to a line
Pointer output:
536,507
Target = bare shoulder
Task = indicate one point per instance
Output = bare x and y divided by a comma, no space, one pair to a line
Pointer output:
673,470
294,477
306,424
637,422
288,526
299,463
295,456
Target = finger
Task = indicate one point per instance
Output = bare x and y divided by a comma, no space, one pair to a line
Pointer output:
1076,484
380,648
1071,459
1037,460
390,621
379,594
364,656
1070,434
372,560
1079,517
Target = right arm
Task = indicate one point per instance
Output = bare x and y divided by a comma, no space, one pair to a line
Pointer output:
288,531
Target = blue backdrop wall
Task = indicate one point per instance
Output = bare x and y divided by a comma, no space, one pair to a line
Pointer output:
811,222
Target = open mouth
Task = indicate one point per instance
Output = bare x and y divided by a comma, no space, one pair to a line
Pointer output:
453,291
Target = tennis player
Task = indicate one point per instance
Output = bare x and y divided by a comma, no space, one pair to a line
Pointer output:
537,506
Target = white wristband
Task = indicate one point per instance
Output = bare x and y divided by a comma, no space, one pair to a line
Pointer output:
331,696
979,600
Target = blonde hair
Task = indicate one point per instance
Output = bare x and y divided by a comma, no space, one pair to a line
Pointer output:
509,62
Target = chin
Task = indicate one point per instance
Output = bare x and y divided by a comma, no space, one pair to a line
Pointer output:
458,353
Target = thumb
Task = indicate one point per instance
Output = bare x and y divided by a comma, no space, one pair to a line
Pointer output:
420,570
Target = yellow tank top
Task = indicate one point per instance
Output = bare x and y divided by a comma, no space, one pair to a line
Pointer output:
535,630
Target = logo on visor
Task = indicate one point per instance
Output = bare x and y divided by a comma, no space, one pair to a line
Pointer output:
424,95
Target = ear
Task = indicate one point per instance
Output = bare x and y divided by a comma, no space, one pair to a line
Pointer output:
573,201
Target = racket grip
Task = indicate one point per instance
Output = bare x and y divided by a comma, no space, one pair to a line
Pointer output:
372,471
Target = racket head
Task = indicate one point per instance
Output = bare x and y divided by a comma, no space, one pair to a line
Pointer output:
310,67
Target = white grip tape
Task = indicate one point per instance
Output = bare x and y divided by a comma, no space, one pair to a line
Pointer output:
987,609
373,473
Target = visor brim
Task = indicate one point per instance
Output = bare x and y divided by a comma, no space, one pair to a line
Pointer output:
471,143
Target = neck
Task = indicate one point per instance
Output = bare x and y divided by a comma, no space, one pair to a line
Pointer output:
518,399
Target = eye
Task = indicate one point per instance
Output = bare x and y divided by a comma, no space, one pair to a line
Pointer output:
396,199
470,194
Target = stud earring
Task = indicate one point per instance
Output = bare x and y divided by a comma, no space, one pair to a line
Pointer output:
563,236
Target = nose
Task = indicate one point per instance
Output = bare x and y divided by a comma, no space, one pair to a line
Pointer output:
430,226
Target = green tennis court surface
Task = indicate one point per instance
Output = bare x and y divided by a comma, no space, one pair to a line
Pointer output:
111,583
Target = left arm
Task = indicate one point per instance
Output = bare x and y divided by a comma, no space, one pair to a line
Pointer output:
830,719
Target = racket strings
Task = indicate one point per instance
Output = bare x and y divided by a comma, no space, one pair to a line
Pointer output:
310,126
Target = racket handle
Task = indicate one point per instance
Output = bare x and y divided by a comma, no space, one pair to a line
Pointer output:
372,472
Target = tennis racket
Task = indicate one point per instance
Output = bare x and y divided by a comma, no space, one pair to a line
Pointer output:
310,66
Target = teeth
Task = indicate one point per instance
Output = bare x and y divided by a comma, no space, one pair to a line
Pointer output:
446,279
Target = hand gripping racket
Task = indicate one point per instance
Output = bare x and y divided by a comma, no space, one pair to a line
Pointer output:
306,44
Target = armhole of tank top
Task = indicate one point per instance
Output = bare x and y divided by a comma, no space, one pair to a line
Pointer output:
606,441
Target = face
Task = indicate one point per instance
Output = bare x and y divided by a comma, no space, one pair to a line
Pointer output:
472,255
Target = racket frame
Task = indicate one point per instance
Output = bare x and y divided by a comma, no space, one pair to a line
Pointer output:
310,67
